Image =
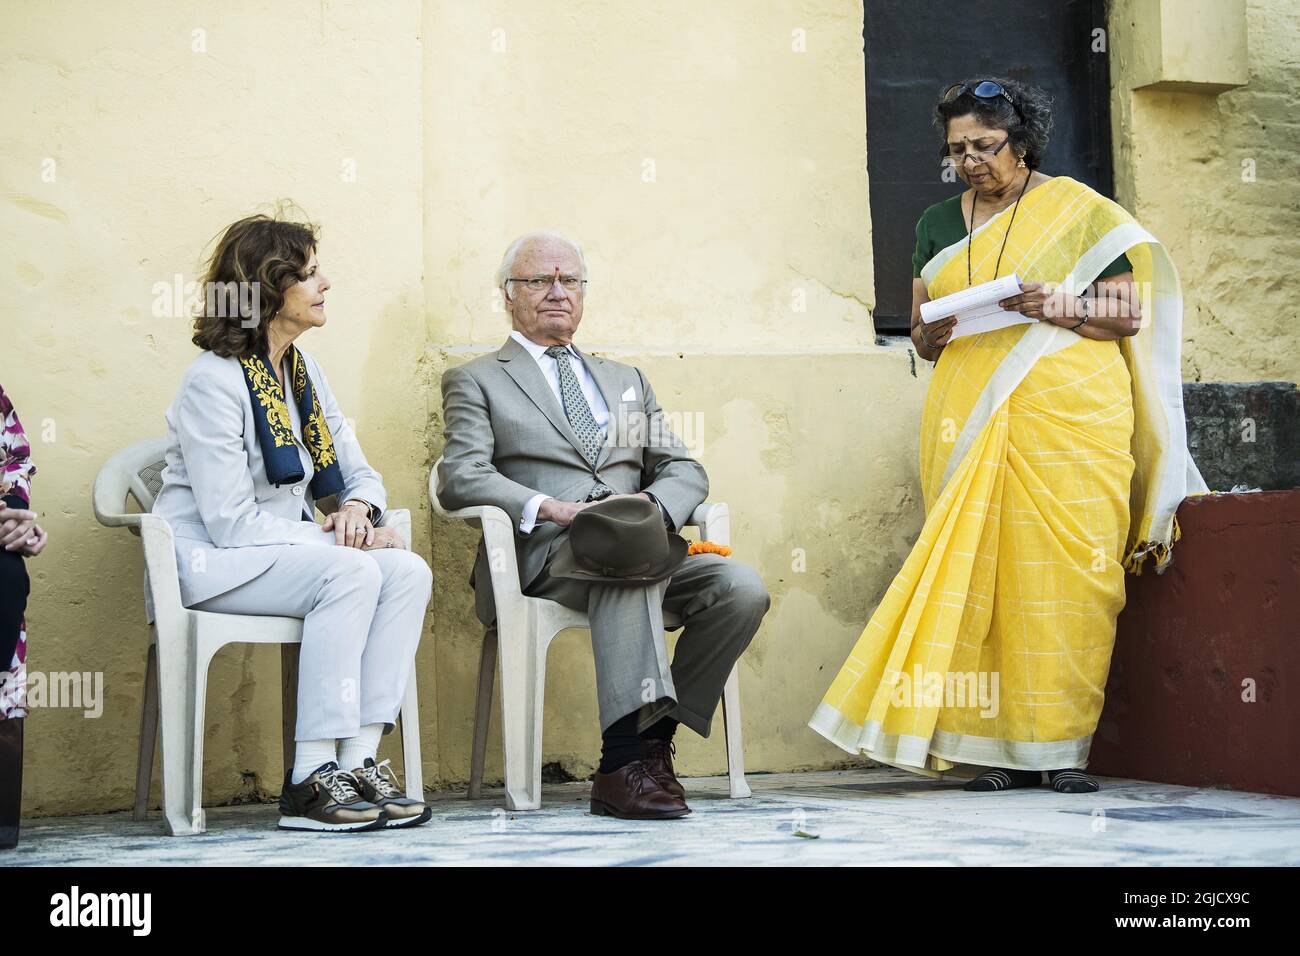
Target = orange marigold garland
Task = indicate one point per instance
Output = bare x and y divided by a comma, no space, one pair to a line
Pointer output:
708,547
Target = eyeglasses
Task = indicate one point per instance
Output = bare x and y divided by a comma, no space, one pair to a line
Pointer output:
984,90
544,283
980,156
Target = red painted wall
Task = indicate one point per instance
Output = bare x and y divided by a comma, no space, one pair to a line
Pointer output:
1227,610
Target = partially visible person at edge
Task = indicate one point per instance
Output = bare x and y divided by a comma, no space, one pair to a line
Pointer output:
20,537
255,441
1051,461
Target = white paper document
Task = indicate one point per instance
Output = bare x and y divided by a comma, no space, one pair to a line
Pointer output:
977,308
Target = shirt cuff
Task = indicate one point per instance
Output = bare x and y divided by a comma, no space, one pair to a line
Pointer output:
668,521
528,521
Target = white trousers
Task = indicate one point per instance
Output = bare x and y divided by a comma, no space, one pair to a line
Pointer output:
362,616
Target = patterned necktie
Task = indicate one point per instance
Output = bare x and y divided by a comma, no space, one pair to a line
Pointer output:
578,412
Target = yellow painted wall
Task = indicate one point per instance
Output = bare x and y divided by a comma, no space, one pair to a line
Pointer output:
156,148
737,274
1184,163
711,158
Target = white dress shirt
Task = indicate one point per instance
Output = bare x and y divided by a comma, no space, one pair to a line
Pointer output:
590,391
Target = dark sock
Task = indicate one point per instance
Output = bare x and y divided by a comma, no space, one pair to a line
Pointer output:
661,729
620,745
998,778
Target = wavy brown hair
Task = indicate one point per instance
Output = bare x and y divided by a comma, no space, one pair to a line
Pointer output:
254,262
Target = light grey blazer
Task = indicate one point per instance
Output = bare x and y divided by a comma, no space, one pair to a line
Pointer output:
508,440
225,514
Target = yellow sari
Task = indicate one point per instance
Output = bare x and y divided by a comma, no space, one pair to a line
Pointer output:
1049,463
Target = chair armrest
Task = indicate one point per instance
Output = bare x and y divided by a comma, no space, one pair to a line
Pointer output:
106,498
499,540
118,478
498,537
713,518
476,514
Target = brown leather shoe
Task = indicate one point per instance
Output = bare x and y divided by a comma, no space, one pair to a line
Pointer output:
630,793
659,763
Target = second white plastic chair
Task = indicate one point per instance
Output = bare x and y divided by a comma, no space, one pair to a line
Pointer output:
524,630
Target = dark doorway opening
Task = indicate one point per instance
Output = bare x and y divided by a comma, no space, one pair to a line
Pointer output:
916,48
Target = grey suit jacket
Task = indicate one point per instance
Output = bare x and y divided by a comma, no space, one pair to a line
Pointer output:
225,514
508,440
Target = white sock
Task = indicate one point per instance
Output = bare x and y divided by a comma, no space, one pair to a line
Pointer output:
309,756
353,751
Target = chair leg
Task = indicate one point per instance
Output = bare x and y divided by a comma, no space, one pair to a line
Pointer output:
203,654
409,727
522,687
288,700
487,666
731,730
148,735
176,719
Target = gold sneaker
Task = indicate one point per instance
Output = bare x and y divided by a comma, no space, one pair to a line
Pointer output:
328,800
379,786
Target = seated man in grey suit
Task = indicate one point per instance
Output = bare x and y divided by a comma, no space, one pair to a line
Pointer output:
538,429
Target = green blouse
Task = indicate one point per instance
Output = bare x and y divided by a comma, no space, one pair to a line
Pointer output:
942,224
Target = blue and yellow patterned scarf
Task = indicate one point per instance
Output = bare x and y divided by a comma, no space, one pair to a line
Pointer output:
275,430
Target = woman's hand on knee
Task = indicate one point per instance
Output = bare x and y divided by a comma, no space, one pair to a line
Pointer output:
351,526
385,538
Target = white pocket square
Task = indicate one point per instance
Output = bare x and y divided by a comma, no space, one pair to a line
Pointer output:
629,396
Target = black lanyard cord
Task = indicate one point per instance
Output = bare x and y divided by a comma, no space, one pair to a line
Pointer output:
970,232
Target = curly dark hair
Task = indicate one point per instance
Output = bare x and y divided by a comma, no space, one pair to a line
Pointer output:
254,262
1029,129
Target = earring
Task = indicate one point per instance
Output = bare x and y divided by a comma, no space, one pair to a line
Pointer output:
1021,164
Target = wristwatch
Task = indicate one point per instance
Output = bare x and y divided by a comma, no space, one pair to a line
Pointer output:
1085,305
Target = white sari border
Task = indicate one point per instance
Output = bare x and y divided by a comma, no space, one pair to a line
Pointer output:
915,753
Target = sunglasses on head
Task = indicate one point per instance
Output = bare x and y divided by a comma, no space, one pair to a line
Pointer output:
984,90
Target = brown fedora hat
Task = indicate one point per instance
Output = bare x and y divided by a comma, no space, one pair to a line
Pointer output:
619,541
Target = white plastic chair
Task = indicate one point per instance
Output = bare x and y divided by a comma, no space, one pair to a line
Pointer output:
524,629
182,643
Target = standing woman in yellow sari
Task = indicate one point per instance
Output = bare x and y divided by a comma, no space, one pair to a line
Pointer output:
1053,457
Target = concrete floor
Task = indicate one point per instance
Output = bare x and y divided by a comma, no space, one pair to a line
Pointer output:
869,816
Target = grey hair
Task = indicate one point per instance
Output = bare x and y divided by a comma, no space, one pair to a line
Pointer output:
1028,129
512,253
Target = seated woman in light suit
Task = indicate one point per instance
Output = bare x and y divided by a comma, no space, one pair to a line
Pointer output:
245,468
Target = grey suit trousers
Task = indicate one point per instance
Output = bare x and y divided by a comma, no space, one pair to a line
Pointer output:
721,603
